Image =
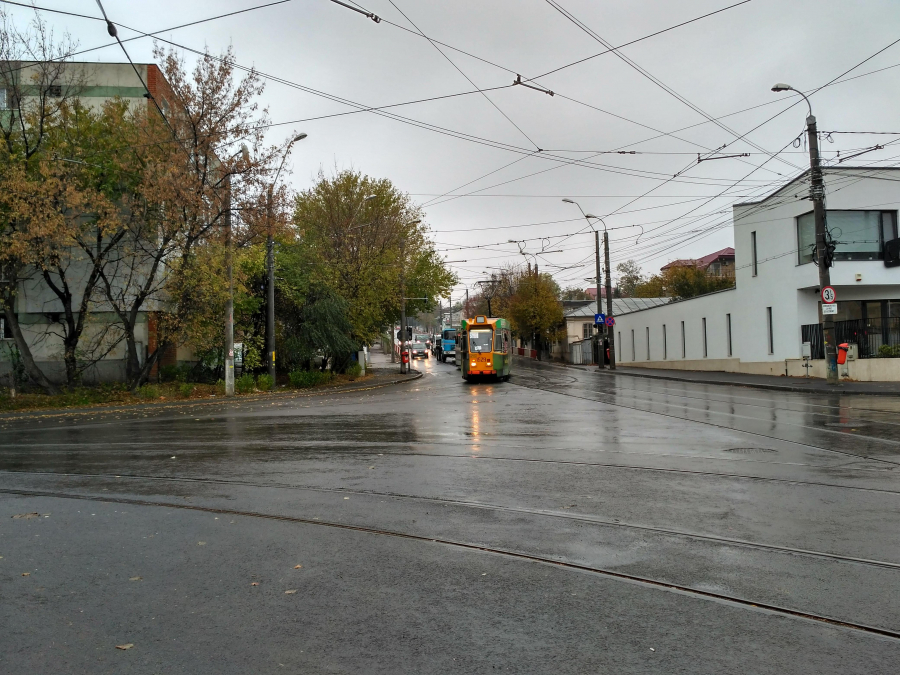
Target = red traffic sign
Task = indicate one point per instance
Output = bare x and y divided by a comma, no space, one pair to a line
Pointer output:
829,295
610,321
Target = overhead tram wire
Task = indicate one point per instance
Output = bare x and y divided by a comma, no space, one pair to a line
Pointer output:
641,39
399,118
832,81
580,24
468,79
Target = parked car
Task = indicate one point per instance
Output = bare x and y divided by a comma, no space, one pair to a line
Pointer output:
418,350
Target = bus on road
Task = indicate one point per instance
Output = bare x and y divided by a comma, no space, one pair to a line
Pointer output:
484,348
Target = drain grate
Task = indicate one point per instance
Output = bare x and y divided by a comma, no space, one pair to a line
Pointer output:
749,451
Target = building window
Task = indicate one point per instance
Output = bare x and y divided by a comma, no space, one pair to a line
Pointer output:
633,357
648,343
54,91
705,348
769,330
4,104
587,330
5,332
665,346
728,332
753,265
683,343
858,235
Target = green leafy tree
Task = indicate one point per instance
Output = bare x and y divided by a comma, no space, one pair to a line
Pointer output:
534,309
630,277
572,293
681,282
359,237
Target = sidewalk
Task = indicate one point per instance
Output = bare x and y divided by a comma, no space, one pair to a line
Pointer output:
773,382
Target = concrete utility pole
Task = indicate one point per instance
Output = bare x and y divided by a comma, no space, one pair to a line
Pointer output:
609,301
609,306
599,298
270,287
403,366
817,195
229,304
402,311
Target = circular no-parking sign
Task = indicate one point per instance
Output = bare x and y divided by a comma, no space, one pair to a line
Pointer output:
828,295
610,321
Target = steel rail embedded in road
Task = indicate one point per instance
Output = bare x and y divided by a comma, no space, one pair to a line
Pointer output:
620,576
584,518
600,394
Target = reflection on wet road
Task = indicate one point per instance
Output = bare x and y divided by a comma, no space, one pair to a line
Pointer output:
581,499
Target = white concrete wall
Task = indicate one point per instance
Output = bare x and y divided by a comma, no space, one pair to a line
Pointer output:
713,307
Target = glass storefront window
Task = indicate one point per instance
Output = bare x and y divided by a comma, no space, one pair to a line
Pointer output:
859,235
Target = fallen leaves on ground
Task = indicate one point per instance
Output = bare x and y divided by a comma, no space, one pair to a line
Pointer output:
297,567
26,516
290,592
136,579
26,574
254,583
125,646
201,543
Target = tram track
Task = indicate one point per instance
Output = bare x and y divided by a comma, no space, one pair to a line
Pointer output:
739,400
562,462
560,564
584,518
650,403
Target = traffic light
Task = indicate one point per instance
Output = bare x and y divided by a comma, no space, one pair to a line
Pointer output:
408,333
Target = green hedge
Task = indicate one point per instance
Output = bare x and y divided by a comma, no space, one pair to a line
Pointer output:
309,378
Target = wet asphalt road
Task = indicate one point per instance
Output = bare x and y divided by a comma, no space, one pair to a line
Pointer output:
565,522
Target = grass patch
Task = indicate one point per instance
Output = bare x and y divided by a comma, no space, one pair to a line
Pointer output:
118,394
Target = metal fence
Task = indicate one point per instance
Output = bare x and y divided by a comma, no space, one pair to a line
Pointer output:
581,352
875,338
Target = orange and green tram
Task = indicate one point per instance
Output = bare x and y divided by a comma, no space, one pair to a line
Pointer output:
485,348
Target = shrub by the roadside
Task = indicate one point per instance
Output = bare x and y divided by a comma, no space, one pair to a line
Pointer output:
309,378
264,382
245,384
186,390
354,370
148,391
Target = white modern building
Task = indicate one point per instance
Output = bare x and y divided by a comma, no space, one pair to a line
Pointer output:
760,325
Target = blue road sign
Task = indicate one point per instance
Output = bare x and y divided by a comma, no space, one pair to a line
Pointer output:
599,319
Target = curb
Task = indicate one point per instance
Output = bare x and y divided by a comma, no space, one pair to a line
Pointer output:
163,405
749,385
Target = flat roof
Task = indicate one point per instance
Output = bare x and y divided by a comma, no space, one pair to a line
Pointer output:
825,171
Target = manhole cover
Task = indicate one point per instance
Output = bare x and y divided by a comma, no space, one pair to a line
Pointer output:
749,451
845,425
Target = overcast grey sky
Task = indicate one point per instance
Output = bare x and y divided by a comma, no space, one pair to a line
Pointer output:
720,65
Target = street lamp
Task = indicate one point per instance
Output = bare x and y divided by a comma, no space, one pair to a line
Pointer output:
609,307
823,257
270,264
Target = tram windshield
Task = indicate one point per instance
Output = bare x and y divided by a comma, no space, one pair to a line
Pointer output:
480,340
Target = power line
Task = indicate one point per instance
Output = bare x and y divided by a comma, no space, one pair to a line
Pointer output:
487,98
641,39
571,17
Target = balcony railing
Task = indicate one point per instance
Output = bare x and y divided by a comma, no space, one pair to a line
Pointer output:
875,338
